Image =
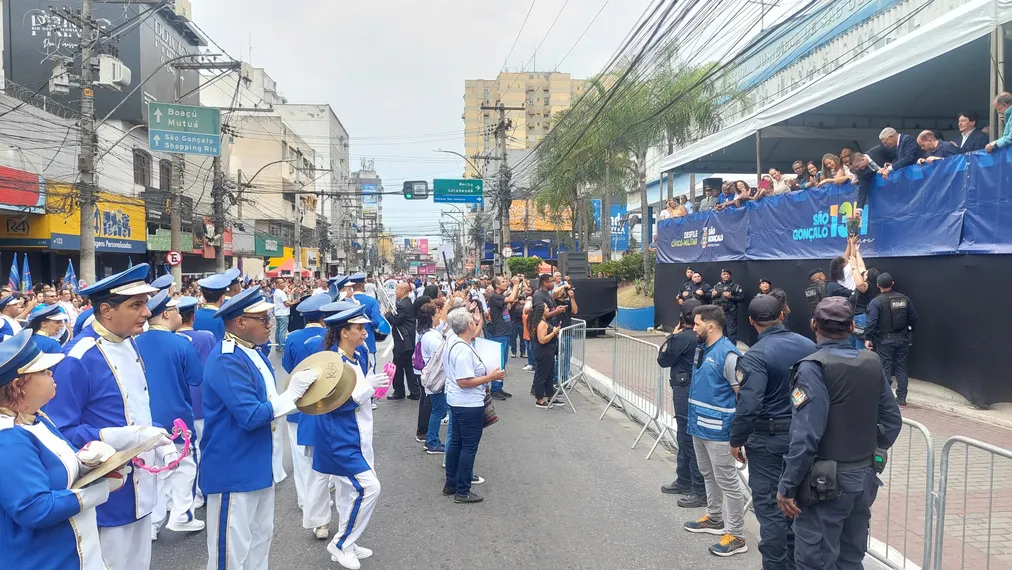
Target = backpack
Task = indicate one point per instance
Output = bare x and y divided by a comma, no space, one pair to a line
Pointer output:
416,359
815,293
433,376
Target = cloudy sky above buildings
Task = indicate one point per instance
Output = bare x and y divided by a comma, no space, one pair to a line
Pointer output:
394,70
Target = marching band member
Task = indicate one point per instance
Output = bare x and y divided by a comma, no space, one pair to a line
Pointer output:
165,282
379,325
46,321
203,343
10,308
240,405
46,525
103,395
173,368
213,288
344,442
295,351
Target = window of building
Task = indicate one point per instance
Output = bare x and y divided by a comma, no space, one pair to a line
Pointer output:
165,174
142,167
546,100
530,76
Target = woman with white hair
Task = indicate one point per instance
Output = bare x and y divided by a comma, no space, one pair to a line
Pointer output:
466,378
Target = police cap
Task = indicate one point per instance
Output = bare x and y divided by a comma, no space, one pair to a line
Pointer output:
689,306
815,272
835,309
884,280
764,308
726,270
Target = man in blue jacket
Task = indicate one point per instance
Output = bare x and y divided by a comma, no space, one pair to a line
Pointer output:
903,148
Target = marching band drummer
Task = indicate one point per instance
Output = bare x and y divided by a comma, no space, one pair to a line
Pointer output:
240,405
172,368
102,394
46,525
295,352
46,322
344,442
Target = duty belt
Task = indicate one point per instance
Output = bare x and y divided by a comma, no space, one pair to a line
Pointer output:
893,335
852,465
772,426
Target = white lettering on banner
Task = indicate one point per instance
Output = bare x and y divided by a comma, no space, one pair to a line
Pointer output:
691,234
271,245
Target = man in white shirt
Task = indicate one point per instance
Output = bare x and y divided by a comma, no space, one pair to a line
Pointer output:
370,286
282,310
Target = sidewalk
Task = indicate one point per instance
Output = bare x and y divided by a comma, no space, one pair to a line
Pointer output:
975,487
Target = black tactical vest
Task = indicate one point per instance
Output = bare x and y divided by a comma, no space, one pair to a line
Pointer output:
892,312
854,386
815,293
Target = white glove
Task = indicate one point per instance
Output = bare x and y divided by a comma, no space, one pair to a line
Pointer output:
166,453
378,380
94,453
93,495
301,381
128,437
117,479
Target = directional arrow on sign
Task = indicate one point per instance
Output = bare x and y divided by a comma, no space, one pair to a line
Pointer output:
158,139
158,115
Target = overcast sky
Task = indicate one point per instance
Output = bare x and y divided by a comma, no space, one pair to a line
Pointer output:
394,70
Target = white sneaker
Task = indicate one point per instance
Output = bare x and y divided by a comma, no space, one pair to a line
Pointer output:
198,502
477,480
193,525
374,406
528,367
345,558
361,552
322,532
154,532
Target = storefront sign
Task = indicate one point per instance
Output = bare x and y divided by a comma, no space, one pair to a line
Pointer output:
119,221
267,246
29,230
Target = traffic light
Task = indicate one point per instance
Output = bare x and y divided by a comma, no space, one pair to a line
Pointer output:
415,190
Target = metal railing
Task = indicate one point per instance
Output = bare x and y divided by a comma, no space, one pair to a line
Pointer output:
976,520
911,459
572,360
637,382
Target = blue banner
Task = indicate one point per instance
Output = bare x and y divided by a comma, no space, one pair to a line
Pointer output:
946,207
619,225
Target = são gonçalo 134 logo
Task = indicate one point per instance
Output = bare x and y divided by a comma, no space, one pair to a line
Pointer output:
832,224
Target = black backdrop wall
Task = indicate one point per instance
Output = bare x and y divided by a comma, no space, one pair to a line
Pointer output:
963,310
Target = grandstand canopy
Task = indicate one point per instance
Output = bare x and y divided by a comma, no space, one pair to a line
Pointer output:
921,81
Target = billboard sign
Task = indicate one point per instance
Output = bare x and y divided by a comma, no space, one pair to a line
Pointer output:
370,197
21,191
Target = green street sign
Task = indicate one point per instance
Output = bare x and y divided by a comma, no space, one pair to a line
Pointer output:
458,191
186,129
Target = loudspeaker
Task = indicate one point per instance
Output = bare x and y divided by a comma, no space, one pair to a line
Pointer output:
574,264
714,183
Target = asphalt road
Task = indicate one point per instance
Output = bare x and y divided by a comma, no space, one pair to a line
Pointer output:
562,490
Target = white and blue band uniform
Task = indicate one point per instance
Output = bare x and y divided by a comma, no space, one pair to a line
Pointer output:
344,447
8,325
316,505
241,405
173,367
762,422
379,326
43,315
45,525
843,411
214,288
296,351
102,394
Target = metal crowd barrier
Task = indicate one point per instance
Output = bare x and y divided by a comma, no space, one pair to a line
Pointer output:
983,529
637,382
910,459
571,362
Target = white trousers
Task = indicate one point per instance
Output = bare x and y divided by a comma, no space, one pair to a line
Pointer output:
356,501
278,451
302,462
239,530
175,488
127,547
198,432
317,509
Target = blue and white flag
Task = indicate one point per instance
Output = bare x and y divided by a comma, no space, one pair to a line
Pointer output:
26,276
70,277
15,279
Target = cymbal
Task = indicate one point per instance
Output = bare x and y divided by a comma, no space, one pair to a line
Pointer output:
114,463
332,389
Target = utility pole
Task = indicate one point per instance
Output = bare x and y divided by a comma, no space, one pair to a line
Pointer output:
218,205
297,249
503,194
176,191
86,162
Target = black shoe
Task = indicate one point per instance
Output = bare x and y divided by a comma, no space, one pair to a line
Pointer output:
413,396
498,396
523,356
676,489
470,497
421,437
447,491
507,394
901,401
692,501
395,397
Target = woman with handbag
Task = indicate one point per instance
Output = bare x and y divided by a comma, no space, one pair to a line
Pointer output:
466,378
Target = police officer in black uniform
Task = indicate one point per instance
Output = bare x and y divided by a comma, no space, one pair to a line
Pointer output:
762,422
699,290
685,289
678,353
765,286
726,295
816,290
891,317
844,412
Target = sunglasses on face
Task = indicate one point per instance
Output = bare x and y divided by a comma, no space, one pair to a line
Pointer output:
264,320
